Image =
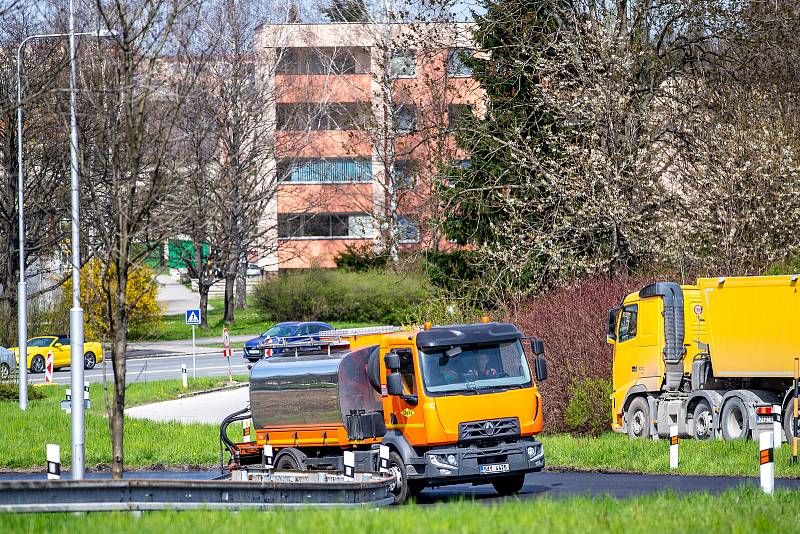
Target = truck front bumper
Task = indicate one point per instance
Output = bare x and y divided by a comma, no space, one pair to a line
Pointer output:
476,464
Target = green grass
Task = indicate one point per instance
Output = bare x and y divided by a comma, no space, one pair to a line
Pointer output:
146,443
250,321
736,511
619,452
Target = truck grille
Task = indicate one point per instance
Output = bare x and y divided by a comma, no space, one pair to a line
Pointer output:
489,429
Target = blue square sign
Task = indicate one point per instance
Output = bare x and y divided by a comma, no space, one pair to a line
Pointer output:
193,317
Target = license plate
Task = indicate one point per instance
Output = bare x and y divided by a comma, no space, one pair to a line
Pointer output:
494,468
765,419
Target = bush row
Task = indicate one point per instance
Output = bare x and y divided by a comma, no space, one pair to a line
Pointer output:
572,323
338,295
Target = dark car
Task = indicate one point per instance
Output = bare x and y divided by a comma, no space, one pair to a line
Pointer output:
283,332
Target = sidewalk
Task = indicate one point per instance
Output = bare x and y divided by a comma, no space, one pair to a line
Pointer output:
209,408
175,298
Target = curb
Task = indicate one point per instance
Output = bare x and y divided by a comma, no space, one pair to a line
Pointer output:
238,385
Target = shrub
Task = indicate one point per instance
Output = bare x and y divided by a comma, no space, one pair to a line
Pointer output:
572,323
337,295
589,407
98,281
361,258
10,392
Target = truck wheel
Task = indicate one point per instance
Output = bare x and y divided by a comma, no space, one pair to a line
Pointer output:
703,426
89,360
291,460
399,487
638,418
510,485
735,422
788,418
37,364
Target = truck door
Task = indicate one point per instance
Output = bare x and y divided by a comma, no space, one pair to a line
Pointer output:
636,354
404,415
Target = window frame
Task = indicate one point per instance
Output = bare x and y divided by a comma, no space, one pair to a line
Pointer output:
631,310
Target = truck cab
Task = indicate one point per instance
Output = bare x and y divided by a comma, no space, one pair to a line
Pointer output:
461,406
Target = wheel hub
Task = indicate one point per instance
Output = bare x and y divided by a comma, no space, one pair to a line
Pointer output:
397,479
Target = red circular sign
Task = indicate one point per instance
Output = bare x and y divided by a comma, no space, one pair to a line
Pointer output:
698,309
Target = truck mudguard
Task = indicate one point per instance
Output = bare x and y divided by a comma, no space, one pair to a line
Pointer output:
673,328
394,438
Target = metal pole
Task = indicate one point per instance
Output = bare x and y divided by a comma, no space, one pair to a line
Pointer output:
76,312
194,362
22,290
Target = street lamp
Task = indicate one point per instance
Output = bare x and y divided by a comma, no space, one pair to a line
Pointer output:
76,313
22,297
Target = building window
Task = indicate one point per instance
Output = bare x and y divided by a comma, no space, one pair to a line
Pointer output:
406,118
323,60
456,68
407,230
305,116
405,174
325,171
324,225
403,63
456,115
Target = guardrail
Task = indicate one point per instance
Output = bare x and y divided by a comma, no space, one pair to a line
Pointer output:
283,489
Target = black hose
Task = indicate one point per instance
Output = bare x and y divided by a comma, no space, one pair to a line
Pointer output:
240,415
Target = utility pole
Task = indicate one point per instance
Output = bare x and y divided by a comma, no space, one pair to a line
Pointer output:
76,312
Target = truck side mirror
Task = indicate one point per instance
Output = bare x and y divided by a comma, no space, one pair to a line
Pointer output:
611,333
540,366
394,384
392,361
537,346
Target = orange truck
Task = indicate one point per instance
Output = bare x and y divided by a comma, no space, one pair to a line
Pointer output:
449,404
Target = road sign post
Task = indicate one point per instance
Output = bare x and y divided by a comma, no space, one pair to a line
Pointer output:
226,341
48,368
193,318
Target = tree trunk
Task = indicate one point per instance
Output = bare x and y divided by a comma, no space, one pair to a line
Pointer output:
230,279
241,287
203,288
118,350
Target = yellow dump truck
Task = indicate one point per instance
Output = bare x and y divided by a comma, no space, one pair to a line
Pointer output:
711,358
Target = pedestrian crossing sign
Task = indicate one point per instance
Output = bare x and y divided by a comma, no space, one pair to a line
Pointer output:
193,317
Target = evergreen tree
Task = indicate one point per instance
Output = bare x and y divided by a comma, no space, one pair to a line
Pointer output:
346,11
516,152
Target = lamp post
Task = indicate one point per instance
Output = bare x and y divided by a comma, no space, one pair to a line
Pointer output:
76,312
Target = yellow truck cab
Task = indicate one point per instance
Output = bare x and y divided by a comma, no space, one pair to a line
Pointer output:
712,358
453,404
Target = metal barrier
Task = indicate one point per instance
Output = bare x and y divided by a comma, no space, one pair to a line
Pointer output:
282,489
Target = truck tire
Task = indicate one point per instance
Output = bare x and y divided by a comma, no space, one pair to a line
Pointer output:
638,417
399,487
510,485
735,421
291,460
788,416
702,422
37,364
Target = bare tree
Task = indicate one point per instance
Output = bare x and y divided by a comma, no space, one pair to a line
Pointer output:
137,87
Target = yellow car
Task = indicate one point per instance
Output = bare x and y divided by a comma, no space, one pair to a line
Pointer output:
39,346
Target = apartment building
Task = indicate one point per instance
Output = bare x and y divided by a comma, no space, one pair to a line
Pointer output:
362,116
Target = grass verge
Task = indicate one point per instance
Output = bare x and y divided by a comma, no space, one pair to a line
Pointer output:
248,322
743,510
619,452
146,442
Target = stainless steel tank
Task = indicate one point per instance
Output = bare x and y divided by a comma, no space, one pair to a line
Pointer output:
313,389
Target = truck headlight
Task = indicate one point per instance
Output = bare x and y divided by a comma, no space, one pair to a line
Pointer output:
451,459
531,452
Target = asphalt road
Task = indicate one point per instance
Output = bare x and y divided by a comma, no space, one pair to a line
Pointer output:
158,368
537,485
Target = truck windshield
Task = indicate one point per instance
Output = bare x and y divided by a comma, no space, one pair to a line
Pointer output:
449,370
